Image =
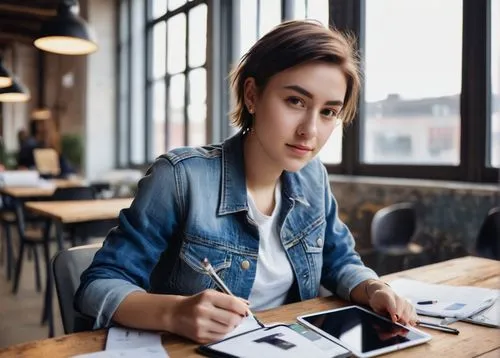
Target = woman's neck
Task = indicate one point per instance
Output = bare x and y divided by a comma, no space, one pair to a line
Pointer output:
261,172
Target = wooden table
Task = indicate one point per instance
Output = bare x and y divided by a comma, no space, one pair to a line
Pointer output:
473,341
70,212
19,195
76,211
26,192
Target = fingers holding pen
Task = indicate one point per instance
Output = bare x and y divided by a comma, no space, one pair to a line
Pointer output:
227,302
208,315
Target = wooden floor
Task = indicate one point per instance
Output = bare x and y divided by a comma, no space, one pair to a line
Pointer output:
20,314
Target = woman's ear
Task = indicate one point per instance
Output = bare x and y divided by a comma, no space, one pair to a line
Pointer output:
250,94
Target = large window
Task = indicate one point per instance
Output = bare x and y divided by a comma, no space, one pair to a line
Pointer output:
494,126
413,80
177,74
426,97
430,102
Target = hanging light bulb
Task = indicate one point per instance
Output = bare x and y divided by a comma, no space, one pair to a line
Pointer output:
16,92
67,33
5,76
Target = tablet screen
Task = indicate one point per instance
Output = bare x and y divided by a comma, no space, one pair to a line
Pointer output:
361,330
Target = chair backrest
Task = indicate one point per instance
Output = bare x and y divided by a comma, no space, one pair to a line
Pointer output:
74,193
67,266
100,187
487,244
47,161
394,225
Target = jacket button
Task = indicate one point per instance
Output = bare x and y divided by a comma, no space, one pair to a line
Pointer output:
245,265
319,242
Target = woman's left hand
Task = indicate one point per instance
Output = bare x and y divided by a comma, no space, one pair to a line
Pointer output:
383,300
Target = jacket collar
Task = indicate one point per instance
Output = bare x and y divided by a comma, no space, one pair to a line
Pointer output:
233,194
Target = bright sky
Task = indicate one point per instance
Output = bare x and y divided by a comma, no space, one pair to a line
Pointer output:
413,48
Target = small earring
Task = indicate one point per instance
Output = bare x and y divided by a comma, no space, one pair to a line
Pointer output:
250,109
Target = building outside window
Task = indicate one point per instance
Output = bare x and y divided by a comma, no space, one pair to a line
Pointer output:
413,82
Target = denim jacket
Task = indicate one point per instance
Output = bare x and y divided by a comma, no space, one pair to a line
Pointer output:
192,204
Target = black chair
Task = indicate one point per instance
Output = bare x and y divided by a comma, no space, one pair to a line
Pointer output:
487,243
30,230
73,193
67,267
7,220
34,236
100,187
81,231
393,230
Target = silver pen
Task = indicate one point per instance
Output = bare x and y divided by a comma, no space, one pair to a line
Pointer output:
222,286
438,327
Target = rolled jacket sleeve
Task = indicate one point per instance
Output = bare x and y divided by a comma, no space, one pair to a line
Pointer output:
342,268
102,297
131,251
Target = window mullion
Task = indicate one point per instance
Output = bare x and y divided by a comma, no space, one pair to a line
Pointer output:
347,15
186,84
148,59
474,97
129,83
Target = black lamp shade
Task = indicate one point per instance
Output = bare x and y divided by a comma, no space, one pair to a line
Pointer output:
16,92
66,34
5,76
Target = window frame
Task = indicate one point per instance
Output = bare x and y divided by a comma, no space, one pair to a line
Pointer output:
124,157
475,109
223,53
149,81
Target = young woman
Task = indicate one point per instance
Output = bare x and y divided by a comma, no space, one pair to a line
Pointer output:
258,206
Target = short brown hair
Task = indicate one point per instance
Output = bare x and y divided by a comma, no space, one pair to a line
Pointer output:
290,44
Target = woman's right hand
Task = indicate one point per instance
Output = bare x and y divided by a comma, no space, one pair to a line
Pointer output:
207,316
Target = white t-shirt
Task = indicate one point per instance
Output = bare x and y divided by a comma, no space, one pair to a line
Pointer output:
274,275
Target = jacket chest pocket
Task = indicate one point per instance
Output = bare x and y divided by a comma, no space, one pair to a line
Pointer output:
312,243
188,275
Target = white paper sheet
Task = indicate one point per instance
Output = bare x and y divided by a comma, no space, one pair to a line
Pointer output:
489,317
20,178
124,338
147,352
452,301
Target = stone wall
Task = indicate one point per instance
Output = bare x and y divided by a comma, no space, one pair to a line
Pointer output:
451,213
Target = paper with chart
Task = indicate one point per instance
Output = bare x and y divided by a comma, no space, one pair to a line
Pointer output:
274,342
452,301
328,347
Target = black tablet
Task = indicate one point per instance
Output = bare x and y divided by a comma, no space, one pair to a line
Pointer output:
363,332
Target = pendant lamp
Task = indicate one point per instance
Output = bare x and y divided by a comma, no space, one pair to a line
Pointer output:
67,33
16,92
